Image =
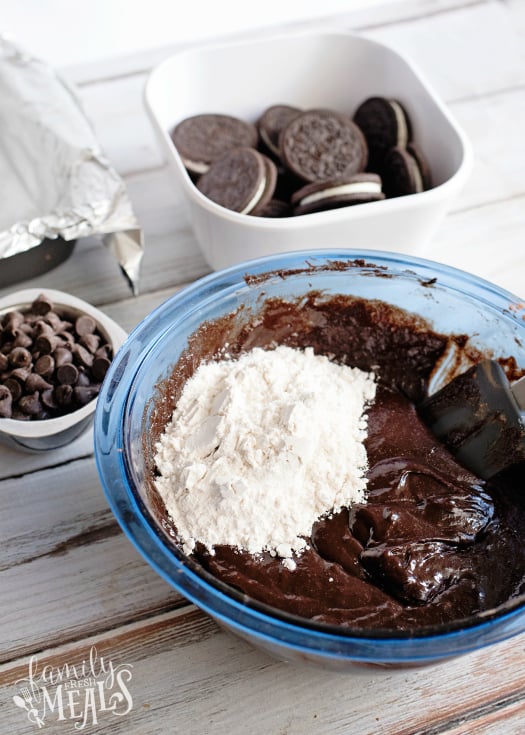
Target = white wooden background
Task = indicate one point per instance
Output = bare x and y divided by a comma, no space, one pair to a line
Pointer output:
68,577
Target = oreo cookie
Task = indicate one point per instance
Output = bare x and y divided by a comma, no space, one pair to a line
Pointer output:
266,168
202,139
272,122
405,171
361,188
385,124
319,145
242,180
274,208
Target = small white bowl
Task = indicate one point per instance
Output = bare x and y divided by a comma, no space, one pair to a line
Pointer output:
337,70
37,436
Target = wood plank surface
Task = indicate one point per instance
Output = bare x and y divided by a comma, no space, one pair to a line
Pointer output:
390,12
188,676
76,591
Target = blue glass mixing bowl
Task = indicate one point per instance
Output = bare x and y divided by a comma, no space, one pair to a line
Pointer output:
453,301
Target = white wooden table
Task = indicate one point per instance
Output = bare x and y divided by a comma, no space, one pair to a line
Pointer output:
71,583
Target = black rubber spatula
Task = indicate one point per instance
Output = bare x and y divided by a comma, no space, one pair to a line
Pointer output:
480,417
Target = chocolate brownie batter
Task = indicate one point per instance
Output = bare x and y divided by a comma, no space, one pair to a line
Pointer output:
432,543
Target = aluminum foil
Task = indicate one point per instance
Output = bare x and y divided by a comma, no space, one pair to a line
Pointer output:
55,179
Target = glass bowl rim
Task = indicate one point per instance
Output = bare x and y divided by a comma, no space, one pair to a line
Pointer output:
236,609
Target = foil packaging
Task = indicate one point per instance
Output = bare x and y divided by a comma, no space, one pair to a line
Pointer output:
55,180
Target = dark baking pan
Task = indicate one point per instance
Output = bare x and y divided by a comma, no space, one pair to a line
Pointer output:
34,262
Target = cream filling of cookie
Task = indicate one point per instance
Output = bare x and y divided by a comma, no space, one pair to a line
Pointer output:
196,167
358,187
401,122
415,173
256,197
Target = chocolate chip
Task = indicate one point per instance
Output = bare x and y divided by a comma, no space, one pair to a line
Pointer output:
12,320
84,378
47,359
41,327
20,357
14,387
64,395
22,339
82,356
55,322
28,328
45,365
68,340
103,351
67,374
30,404
90,342
41,305
6,402
85,393
20,373
100,367
48,399
62,356
47,343
85,325
36,382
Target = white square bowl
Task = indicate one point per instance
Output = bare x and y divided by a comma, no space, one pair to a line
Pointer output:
53,433
330,69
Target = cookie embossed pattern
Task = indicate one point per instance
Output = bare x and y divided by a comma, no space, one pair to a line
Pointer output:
198,82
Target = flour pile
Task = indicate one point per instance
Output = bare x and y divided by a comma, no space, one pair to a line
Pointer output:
259,448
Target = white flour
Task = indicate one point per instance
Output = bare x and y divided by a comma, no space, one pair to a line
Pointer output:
261,447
